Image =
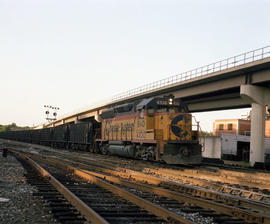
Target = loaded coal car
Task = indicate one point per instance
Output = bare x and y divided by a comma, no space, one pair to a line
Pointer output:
81,136
45,136
36,136
152,129
21,136
26,135
59,136
7,135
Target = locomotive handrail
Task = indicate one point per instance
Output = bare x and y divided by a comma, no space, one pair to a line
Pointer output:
231,62
198,132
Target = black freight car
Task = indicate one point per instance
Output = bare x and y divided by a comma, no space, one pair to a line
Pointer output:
36,136
21,136
81,136
45,136
27,135
60,136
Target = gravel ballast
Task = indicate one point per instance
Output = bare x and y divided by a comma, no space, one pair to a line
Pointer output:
17,204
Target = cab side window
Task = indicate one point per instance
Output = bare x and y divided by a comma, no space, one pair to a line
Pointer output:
151,112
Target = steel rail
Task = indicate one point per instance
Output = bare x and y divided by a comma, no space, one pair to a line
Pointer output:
248,178
261,181
257,180
204,178
144,204
251,180
248,216
144,178
220,208
252,174
194,191
88,213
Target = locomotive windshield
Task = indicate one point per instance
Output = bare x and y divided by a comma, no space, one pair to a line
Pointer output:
170,105
164,104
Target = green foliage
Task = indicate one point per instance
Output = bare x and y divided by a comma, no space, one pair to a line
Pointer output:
205,133
4,128
12,127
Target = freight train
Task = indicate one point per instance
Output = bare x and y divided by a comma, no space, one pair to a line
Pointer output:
157,129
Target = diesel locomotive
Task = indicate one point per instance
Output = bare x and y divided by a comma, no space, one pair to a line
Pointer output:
153,129
157,129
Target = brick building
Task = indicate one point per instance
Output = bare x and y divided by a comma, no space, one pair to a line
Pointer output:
237,126
267,128
231,126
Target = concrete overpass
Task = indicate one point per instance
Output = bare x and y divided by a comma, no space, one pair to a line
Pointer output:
237,82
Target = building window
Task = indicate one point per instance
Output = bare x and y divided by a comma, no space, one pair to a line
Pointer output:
230,127
221,127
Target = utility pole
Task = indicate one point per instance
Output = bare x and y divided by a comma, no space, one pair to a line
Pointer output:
51,110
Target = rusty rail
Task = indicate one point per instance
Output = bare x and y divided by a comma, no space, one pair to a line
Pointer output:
88,213
146,205
206,196
248,216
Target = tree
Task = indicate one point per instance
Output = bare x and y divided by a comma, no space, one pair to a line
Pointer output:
12,127
205,133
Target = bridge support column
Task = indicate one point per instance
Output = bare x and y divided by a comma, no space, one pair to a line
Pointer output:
257,133
258,97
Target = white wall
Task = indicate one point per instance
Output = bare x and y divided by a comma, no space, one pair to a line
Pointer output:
212,146
229,143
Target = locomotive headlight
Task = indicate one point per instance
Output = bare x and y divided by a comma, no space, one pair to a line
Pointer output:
170,101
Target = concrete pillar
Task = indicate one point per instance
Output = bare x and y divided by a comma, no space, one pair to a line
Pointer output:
97,117
257,133
258,97
77,121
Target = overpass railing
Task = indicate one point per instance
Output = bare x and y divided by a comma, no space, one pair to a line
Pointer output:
231,62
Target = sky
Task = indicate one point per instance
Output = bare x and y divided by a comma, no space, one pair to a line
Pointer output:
72,54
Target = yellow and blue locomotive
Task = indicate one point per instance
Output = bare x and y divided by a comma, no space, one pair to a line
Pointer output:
151,129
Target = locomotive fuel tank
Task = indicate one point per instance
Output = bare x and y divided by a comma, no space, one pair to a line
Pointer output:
118,148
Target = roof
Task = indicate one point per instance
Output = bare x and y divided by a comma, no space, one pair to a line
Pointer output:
143,103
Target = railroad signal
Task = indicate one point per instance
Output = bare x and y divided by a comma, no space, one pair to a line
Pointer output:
48,112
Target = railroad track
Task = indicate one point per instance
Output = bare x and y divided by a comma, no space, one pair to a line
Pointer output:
96,200
227,208
246,185
255,186
63,211
250,177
